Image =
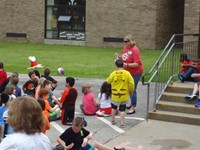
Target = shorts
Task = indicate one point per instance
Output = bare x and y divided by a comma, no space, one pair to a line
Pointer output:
88,147
121,105
106,110
53,113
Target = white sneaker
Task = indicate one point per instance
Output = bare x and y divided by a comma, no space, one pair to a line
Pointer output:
191,97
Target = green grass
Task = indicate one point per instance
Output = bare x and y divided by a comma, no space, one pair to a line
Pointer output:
78,61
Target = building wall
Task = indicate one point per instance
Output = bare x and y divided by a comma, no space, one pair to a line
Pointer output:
191,19
116,18
192,25
169,21
151,23
22,16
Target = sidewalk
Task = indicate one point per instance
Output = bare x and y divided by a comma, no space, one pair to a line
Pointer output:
159,135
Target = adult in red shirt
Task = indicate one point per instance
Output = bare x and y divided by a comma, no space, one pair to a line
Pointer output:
132,63
3,74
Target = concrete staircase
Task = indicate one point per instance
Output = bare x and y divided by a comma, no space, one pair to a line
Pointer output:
174,108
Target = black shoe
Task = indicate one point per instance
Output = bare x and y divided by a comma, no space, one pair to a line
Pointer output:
119,148
84,122
130,112
128,107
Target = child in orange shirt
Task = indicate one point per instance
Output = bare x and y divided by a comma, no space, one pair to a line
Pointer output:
49,111
68,100
47,124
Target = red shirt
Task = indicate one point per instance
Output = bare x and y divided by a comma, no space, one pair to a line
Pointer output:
3,76
69,97
132,55
65,93
198,68
185,62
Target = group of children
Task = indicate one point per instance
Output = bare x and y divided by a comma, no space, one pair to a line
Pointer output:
37,87
114,94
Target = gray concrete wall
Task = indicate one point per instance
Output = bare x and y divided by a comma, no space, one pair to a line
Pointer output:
22,16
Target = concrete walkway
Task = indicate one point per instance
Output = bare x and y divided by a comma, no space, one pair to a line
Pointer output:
160,135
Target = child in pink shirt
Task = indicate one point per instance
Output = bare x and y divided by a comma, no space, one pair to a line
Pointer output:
89,105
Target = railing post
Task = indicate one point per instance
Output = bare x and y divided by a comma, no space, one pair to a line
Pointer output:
156,88
148,97
172,72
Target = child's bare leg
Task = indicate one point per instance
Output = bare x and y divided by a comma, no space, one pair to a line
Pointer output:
199,90
113,115
196,89
122,109
122,115
100,146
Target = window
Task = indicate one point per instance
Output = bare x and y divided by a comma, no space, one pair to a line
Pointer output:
65,19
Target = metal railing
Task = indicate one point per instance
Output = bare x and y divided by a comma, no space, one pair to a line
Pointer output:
166,68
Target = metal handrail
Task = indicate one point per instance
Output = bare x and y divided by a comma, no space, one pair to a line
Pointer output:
172,39
158,64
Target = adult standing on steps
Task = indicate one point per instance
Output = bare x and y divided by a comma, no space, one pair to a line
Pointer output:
132,63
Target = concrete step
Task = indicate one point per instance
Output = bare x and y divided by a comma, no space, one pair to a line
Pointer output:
175,97
178,87
178,107
173,106
175,117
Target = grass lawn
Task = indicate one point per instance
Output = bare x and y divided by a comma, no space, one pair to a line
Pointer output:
78,61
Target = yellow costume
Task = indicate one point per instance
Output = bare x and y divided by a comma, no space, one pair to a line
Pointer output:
122,84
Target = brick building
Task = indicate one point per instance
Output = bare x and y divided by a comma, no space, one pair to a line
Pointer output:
100,23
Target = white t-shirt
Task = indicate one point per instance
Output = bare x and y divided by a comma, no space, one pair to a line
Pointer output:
22,141
104,103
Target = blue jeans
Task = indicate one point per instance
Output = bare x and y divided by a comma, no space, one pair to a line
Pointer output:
133,97
187,75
